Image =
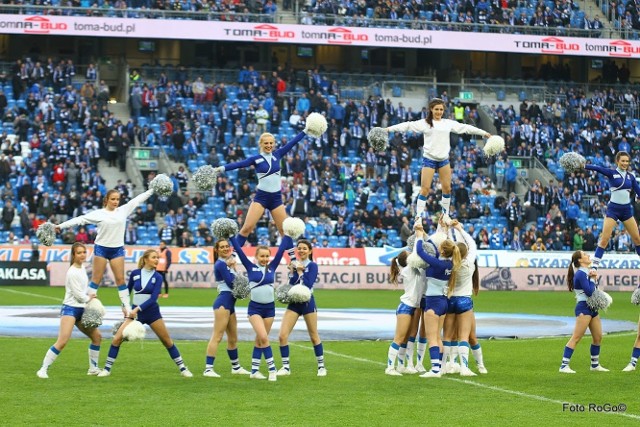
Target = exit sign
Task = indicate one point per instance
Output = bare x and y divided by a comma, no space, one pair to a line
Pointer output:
467,96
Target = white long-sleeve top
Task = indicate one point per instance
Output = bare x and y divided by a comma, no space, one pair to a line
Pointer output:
415,285
111,224
436,138
75,287
464,276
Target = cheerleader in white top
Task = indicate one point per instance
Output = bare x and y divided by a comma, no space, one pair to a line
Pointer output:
410,307
75,299
459,321
441,280
145,283
111,222
437,146
224,311
582,281
304,271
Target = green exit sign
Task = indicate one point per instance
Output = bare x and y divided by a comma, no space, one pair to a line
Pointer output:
466,96
516,162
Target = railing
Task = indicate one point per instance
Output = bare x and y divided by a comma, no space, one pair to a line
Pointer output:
108,12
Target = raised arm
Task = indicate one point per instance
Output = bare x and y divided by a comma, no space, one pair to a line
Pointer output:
249,161
289,145
604,171
418,126
132,204
285,243
468,129
93,217
243,258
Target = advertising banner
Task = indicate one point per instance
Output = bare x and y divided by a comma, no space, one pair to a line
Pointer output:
318,35
14,273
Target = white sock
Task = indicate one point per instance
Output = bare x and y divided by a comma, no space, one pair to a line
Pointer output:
446,352
94,355
411,345
401,354
463,349
392,355
445,203
476,350
50,357
123,293
422,348
421,206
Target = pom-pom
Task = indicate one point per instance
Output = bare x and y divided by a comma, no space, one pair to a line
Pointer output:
299,293
205,177
316,125
411,242
116,327
599,300
378,139
635,297
93,314
493,146
46,233
436,238
293,227
161,185
282,293
572,162
414,261
241,288
224,228
134,331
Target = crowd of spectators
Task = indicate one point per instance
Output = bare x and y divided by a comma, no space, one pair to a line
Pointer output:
349,195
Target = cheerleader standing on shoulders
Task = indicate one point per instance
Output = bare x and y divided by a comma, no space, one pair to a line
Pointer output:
111,222
75,298
415,285
305,272
581,281
262,307
146,283
441,279
622,185
224,270
437,146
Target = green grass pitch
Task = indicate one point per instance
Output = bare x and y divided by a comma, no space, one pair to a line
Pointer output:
522,388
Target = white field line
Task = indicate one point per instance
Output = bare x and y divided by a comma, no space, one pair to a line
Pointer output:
13,291
485,386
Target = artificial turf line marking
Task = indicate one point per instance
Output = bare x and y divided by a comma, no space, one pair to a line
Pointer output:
30,294
489,387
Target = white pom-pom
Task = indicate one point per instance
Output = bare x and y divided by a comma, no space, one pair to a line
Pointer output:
316,125
635,297
205,177
161,185
572,162
414,261
282,293
599,300
93,314
378,139
116,327
293,227
436,238
299,294
240,288
46,233
134,331
224,228
493,146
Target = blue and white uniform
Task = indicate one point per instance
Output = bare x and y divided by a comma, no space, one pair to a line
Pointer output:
75,292
145,286
261,279
460,301
111,226
438,274
267,168
583,287
621,184
224,280
415,285
308,278
437,146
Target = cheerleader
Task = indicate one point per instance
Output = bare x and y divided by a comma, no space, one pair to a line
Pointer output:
305,272
583,282
622,185
146,284
111,222
441,279
410,308
262,308
75,299
436,132
268,195
224,311
460,318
